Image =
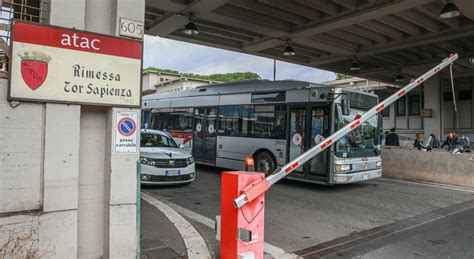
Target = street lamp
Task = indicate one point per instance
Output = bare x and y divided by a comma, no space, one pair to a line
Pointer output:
450,10
355,65
289,51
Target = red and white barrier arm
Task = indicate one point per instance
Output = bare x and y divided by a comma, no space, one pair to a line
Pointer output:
255,189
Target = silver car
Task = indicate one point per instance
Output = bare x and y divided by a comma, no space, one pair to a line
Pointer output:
163,161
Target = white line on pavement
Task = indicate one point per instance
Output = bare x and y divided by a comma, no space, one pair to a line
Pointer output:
272,250
438,185
195,245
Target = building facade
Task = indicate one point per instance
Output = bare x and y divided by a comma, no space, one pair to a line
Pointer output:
427,109
160,82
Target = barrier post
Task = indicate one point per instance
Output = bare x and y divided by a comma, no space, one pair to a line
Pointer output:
242,230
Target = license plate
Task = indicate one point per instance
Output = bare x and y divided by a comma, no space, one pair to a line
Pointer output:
172,172
365,176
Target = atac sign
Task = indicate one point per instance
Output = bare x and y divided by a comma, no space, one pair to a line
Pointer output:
53,64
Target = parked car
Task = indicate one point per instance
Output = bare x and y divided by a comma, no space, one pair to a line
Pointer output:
163,161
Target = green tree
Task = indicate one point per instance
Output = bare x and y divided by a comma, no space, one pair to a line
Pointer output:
342,76
227,77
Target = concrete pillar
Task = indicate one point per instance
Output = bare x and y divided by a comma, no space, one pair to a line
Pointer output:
68,13
120,206
59,175
61,144
433,100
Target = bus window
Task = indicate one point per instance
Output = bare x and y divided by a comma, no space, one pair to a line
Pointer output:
173,120
263,121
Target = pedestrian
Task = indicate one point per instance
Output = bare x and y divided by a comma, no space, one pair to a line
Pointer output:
432,141
392,138
461,144
418,141
450,141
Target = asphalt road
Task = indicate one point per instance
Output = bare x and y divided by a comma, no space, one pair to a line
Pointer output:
377,218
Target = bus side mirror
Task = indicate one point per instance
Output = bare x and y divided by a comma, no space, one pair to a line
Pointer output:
346,108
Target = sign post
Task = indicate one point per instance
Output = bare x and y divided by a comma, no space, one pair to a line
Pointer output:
126,131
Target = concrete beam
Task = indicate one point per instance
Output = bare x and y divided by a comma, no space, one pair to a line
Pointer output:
177,16
254,17
349,4
270,11
327,60
383,29
350,36
380,38
324,45
295,8
321,5
467,31
401,25
375,12
223,33
414,17
263,44
167,24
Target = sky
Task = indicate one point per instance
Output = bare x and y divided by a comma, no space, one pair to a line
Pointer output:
192,58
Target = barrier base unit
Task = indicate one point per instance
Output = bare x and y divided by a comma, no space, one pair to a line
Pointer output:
242,230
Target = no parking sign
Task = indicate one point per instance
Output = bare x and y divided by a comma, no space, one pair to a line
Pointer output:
126,131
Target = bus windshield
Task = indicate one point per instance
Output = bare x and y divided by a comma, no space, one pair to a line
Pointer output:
362,141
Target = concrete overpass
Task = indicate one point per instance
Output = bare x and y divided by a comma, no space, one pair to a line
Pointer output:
387,39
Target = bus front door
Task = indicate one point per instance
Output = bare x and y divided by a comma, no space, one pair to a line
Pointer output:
205,135
319,128
312,121
296,137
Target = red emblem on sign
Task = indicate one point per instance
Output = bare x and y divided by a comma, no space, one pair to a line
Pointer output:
34,68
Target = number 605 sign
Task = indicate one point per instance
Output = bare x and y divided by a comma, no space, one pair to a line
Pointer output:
130,28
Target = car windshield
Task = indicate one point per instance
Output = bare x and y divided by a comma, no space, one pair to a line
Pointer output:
156,140
362,141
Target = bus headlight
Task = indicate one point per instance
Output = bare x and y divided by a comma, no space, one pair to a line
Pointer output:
343,168
379,164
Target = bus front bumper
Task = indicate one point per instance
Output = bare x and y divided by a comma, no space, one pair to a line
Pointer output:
356,177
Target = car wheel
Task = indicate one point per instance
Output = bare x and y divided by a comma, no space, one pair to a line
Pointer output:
264,163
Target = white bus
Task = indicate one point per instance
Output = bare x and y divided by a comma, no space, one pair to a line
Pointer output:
273,121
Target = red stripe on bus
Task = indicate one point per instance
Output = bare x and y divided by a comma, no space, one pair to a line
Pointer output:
291,167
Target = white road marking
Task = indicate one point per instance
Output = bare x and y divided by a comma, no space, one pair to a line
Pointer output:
195,245
272,250
438,185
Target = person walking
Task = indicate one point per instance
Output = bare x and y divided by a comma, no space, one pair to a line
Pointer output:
392,138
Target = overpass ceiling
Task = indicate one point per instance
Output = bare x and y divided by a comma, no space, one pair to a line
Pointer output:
387,37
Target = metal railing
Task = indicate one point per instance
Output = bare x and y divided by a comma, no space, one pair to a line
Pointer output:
36,11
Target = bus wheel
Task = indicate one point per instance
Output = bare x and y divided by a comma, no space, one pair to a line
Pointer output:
264,163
